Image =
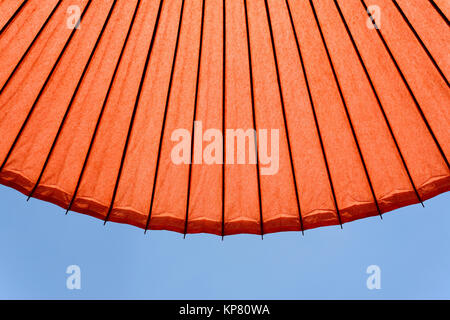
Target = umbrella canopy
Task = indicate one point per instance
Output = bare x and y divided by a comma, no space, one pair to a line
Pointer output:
225,117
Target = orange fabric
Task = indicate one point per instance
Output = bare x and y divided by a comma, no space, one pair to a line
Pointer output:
363,114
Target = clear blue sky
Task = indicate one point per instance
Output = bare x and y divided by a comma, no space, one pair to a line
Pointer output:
37,243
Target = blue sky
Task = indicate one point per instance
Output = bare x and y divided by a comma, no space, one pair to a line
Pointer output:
38,242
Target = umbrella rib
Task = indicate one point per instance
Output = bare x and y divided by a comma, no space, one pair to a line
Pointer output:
280,89
194,117
419,108
166,107
378,101
30,112
421,42
436,7
133,115
29,48
344,103
63,121
316,122
224,52
254,118
18,10
105,101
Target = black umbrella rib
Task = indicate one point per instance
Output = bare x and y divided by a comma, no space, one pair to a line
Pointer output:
30,112
347,113
313,109
133,115
18,10
254,118
421,42
72,99
29,48
378,101
408,87
105,101
438,10
166,107
224,125
194,117
280,89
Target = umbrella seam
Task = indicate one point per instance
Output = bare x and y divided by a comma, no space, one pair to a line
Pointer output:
29,47
14,15
378,101
316,122
91,56
224,51
166,107
254,118
194,117
105,101
133,115
344,104
438,10
418,107
405,18
280,89
30,112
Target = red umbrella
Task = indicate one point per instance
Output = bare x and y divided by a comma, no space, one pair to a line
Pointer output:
225,117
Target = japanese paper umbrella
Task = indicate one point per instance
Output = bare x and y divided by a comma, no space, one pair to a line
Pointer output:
346,101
